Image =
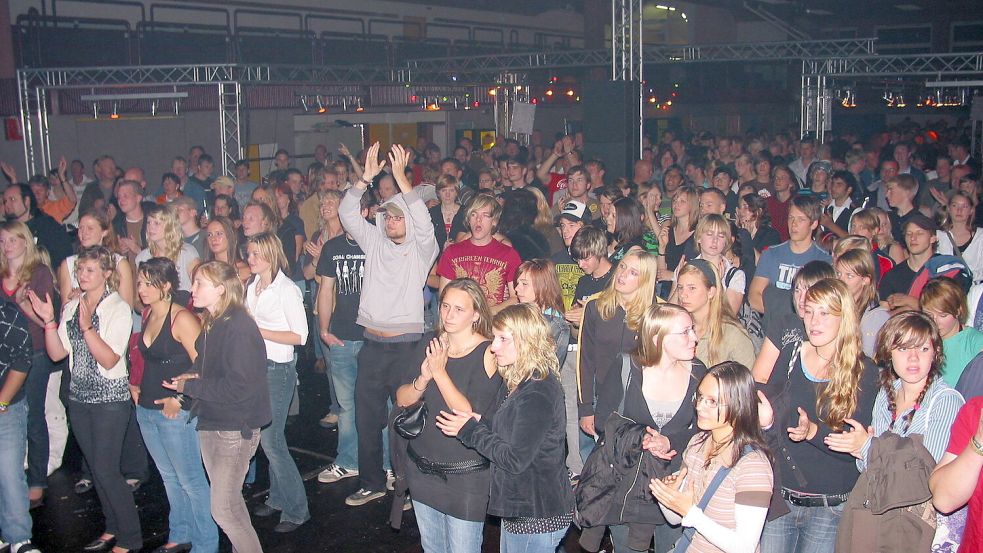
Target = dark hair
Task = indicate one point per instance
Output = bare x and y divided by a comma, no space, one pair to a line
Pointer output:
847,177
715,192
589,241
758,206
736,390
27,194
234,212
808,205
160,271
907,329
292,171
627,220
519,211
453,161
171,177
205,158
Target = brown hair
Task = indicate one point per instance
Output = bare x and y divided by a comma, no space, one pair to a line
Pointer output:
542,274
945,295
908,329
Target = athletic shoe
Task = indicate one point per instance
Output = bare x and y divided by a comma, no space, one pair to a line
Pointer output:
334,473
24,547
362,496
390,480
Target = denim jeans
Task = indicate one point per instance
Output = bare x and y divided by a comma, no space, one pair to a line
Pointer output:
99,429
173,444
665,537
287,492
442,533
343,363
804,530
531,543
15,517
226,455
35,391
568,378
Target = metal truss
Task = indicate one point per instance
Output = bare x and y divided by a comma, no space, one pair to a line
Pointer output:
462,67
626,40
916,65
229,100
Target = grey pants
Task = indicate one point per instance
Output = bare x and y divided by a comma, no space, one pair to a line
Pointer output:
226,455
568,379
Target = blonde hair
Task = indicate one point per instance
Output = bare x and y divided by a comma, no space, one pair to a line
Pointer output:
641,299
533,341
851,242
225,275
33,256
106,261
655,326
173,237
271,250
837,399
718,313
861,263
544,218
714,223
481,201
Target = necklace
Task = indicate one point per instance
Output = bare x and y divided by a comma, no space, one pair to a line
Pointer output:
820,355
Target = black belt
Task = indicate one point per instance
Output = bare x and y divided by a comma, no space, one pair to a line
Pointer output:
426,466
811,500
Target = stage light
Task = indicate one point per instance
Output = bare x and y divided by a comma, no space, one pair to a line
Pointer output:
115,114
358,106
570,92
549,92
320,105
492,91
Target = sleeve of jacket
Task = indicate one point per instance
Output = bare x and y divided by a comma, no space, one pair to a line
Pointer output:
351,219
586,360
419,217
864,412
528,432
609,395
245,353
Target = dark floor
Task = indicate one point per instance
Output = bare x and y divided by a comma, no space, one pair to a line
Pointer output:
67,522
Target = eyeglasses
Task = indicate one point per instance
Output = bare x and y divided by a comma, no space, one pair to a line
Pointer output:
710,402
690,330
396,218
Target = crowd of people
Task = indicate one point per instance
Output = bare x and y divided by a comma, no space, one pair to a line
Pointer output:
751,343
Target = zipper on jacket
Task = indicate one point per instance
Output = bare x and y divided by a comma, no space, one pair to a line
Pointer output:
638,469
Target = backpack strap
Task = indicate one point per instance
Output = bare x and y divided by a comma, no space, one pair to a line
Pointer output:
625,379
729,275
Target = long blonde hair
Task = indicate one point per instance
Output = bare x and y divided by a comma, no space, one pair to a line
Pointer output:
861,263
220,274
33,256
533,341
544,217
718,313
656,325
838,397
639,302
173,237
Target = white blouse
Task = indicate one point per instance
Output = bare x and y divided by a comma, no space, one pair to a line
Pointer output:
278,307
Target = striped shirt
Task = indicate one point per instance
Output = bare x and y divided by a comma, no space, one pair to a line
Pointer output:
932,419
749,483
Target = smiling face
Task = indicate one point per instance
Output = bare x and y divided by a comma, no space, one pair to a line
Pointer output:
568,229
90,233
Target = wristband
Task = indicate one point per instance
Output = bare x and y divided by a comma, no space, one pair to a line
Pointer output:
977,446
50,325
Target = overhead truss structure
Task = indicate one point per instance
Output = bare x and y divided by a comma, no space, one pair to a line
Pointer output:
817,74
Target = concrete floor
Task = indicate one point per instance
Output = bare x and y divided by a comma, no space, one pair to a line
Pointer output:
66,522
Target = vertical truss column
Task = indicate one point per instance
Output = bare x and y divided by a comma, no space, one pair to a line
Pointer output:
509,90
815,105
229,101
626,55
26,100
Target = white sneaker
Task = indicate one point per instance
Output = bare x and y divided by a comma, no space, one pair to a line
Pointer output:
335,473
24,547
390,480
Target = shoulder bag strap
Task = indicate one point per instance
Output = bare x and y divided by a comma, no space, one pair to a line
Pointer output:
683,544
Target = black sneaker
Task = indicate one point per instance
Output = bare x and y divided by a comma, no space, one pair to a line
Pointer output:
363,496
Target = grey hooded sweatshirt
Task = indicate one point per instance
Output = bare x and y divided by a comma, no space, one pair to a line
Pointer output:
395,274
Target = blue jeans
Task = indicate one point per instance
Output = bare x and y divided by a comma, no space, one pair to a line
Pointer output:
287,492
15,516
442,533
35,391
343,363
804,530
173,444
531,543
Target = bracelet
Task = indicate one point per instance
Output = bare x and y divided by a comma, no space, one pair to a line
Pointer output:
415,388
365,182
50,325
977,446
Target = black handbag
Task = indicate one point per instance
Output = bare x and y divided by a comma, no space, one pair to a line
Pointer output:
411,421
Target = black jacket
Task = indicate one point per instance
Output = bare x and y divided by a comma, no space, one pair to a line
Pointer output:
231,392
613,486
526,444
51,236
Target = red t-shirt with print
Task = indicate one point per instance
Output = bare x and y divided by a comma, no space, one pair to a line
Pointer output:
493,266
